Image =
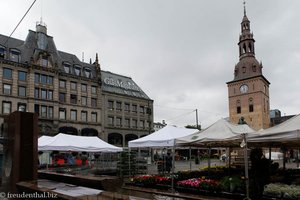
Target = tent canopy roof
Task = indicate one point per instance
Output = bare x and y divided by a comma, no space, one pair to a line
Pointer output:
287,131
65,142
164,137
221,131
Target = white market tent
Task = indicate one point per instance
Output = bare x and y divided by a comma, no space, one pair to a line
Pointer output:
164,137
286,132
221,132
65,142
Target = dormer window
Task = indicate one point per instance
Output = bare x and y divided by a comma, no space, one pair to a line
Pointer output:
87,72
15,55
67,67
2,52
44,61
77,70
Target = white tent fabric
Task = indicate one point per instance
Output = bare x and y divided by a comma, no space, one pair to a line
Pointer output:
288,131
65,142
221,131
164,137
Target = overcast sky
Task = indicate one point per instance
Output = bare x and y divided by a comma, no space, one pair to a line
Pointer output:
180,52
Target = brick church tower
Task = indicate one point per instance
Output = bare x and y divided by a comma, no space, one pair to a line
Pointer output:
248,92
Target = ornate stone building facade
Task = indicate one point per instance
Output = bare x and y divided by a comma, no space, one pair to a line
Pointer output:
248,92
70,96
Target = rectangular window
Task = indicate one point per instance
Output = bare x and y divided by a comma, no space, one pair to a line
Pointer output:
119,105
6,107
110,105
84,116
127,107
62,83
7,89
134,123
74,115
110,121
50,80
37,108
22,76
127,122
83,101
118,121
22,91
142,124
74,86
7,73
50,112
43,79
134,108
36,93
83,88
94,90
73,99
94,103
43,94
142,109
36,78
50,94
62,113
44,62
62,97
94,117
44,111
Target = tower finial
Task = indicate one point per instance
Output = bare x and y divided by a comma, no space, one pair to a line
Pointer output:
244,7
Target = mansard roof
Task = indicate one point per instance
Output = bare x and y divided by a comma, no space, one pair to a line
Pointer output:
30,51
123,85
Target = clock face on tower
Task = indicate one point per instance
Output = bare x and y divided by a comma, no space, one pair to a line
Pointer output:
244,88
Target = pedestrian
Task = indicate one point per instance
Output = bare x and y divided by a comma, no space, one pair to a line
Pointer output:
168,162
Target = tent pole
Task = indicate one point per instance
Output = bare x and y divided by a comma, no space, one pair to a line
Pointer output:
297,158
246,166
173,167
270,151
208,160
129,172
190,158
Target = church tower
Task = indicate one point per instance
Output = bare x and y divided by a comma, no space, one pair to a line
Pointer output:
248,92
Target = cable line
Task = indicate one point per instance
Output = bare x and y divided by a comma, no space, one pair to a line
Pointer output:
20,21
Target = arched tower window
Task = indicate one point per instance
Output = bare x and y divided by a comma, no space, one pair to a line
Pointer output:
251,107
244,49
238,106
250,47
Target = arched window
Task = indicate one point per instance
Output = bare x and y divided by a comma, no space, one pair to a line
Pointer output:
15,55
251,107
67,67
87,72
238,106
2,51
244,48
77,70
250,47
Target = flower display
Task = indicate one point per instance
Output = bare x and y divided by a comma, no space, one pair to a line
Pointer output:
150,180
200,183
